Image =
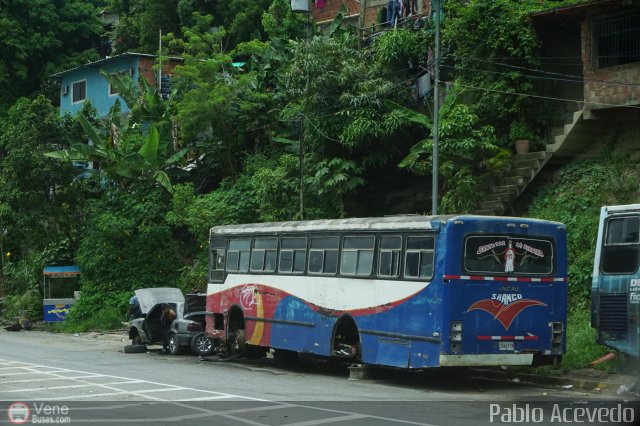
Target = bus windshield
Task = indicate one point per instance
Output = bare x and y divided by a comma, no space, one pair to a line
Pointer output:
504,254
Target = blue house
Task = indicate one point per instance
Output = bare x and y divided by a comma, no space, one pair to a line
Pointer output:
86,82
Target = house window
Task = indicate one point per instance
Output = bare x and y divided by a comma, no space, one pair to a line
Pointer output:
79,89
112,90
616,40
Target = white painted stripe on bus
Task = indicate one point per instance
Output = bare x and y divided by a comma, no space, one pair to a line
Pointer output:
342,294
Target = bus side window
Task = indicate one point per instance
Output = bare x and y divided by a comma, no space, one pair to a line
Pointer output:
238,255
323,255
217,259
217,264
418,262
389,256
263,255
621,250
292,255
357,256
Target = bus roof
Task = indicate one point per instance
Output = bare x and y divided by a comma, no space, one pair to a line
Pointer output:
622,208
400,222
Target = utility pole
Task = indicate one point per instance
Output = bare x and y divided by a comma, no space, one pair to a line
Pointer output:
436,105
305,7
160,63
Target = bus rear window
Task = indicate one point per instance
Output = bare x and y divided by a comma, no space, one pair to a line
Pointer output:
507,255
622,246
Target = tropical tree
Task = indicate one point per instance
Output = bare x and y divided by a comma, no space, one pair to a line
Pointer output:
38,195
39,37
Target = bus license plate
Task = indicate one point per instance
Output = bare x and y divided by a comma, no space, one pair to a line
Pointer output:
505,346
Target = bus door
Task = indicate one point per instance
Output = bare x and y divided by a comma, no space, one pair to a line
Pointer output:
507,300
615,295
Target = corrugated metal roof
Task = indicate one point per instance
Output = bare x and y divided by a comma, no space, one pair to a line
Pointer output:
110,58
352,224
399,222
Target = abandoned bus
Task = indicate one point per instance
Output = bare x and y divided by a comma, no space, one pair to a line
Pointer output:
401,291
615,289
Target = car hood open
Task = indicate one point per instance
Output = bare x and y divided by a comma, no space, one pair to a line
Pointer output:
149,297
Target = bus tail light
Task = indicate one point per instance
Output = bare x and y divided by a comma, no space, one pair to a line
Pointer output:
557,336
456,336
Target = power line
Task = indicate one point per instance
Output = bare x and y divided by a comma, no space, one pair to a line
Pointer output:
542,97
590,80
579,80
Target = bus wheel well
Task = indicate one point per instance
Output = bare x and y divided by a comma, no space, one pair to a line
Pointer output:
346,338
235,320
235,343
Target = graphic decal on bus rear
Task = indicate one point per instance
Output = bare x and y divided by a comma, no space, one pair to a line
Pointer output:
495,254
505,307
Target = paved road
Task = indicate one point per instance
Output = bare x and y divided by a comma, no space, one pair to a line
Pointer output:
97,383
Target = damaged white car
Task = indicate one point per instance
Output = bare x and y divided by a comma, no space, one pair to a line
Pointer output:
170,320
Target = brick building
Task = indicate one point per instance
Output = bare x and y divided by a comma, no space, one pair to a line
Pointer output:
598,42
323,12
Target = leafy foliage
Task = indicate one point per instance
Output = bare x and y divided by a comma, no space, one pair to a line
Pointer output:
126,245
37,194
467,154
127,151
583,187
51,36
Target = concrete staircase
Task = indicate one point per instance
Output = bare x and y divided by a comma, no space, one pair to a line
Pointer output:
568,141
524,168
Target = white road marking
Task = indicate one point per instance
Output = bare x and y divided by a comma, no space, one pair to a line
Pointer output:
64,387
330,420
58,373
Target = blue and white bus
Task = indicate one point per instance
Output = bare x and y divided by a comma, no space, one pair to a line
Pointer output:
401,291
615,289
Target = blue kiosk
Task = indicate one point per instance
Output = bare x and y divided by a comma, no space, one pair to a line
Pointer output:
56,308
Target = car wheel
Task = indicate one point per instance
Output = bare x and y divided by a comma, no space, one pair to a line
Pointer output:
135,349
172,344
201,344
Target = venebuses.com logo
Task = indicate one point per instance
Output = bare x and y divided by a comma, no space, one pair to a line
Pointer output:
18,413
40,413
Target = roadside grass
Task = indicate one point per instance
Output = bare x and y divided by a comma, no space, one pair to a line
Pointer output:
103,320
582,349
581,344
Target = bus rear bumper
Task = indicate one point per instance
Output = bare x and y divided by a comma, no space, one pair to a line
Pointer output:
485,360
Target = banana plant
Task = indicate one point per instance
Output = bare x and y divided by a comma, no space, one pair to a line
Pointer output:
128,150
